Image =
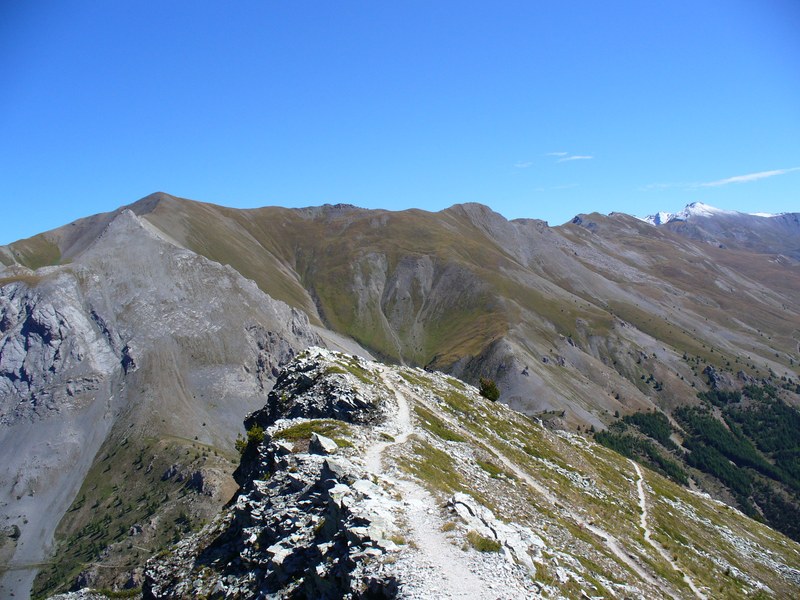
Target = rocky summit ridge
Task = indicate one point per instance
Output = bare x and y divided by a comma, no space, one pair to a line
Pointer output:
362,480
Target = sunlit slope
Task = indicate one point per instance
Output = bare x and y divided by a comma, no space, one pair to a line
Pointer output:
437,490
574,318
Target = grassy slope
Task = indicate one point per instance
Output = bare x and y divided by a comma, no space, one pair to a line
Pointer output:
296,256
123,489
721,549
34,252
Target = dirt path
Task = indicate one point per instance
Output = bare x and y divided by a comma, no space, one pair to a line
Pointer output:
440,570
647,533
402,426
609,540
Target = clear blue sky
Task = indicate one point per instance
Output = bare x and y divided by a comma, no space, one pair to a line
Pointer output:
539,109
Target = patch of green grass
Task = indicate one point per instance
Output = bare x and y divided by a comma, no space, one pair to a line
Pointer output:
352,367
130,593
457,383
436,426
531,451
542,575
492,469
435,468
29,280
459,402
398,539
414,379
303,431
35,252
482,543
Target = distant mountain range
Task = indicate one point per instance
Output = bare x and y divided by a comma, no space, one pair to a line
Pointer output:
697,210
760,232
134,342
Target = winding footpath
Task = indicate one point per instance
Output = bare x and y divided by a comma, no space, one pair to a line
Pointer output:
611,542
647,533
446,572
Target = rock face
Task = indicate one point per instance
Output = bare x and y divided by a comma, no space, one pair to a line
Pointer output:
303,531
433,491
302,391
52,352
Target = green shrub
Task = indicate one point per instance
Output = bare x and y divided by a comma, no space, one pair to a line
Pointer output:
255,435
488,389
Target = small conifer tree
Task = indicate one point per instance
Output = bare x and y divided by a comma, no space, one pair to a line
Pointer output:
488,389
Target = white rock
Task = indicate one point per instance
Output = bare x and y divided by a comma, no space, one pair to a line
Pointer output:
322,445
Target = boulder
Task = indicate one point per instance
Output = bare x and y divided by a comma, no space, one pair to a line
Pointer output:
320,444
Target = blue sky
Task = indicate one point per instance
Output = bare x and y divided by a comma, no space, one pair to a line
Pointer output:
540,109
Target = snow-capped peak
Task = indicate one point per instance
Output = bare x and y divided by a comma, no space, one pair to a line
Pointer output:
659,218
698,209
695,209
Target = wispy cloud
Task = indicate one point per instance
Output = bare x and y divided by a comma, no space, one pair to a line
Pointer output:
523,164
566,186
566,156
662,186
747,178
719,182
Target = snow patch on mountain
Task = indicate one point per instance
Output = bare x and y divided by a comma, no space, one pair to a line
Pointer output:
695,209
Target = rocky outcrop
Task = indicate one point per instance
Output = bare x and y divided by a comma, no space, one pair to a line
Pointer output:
304,524
519,543
306,529
303,390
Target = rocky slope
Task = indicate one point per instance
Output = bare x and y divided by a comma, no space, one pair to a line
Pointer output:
112,367
363,480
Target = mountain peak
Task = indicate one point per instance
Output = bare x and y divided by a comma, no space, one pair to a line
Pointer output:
695,209
699,209
150,202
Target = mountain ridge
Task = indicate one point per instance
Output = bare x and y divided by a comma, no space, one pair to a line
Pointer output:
579,325
357,537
